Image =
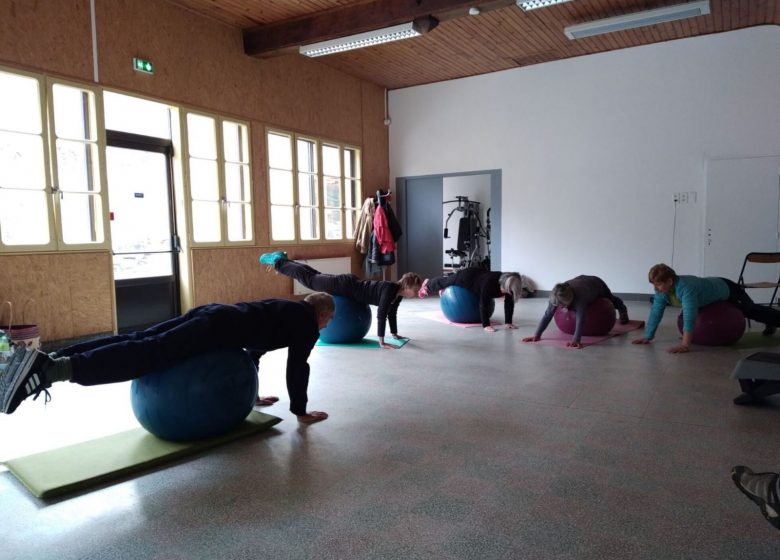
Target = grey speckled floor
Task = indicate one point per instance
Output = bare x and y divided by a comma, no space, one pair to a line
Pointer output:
463,444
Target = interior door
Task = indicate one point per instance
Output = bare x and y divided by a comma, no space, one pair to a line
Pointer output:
143,236
742,214
420,216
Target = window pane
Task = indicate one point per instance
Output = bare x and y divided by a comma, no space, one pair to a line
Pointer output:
20,108
282,224
77,166
281,186
332,192
202,137
310,223
351,193
21,161
350,163
24,217
333,224
330,160
237,187
73,108
136,115
205,221
279,151
307,190
234,138
204,184
82,218
307,156
239,221
351,217
142,265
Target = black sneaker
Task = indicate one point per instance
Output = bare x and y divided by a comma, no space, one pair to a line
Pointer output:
762,489
22,378
769,330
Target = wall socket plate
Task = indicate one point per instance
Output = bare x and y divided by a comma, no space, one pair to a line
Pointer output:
688,197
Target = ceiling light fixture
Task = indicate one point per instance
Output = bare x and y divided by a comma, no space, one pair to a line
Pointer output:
534,4
637,19
370,38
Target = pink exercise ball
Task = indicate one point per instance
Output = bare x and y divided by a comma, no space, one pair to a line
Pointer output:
599,318
717,324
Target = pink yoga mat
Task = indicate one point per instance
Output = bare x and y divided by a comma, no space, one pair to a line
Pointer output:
439,316
557,338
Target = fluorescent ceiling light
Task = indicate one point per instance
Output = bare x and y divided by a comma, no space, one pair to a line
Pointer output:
368,39
638,19
534,4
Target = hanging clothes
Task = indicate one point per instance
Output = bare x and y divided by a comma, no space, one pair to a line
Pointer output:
365,226
384,236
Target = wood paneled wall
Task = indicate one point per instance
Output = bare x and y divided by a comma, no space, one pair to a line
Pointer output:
199,63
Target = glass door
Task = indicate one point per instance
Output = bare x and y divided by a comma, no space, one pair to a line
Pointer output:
143,237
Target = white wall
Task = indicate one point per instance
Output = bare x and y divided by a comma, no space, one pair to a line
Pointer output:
592,148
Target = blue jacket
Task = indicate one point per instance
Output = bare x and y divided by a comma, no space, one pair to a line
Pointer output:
690,293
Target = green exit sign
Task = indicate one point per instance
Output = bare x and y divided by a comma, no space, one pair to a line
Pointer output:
141,65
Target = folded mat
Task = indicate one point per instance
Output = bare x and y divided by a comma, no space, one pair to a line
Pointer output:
367,342
560,339
90,463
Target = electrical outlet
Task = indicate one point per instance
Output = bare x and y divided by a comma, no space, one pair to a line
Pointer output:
684,198
676,197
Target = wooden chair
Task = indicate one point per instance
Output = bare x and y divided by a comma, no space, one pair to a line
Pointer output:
760,258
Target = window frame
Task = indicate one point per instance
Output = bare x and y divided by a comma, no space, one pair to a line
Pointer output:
293,138
51,190
221,162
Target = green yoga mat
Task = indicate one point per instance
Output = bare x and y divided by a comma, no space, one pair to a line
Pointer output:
368,342
83,465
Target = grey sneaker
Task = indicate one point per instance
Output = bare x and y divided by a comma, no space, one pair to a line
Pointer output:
762,488
22,378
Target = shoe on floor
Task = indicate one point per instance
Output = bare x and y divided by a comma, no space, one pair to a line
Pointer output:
762,489
272,258
23,377
769,330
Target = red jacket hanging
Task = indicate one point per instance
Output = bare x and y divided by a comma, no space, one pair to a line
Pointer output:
382,232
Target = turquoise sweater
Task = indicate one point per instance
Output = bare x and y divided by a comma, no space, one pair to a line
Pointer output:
690,293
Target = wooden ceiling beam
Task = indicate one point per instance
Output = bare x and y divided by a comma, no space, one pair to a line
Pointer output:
349,20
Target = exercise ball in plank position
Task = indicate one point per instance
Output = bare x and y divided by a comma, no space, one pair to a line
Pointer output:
461,305
200,397
350,322
599,318
717,324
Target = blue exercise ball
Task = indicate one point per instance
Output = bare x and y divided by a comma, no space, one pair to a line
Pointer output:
350,322
460,305
201,397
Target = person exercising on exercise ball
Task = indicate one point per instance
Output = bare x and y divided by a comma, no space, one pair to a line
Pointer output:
385,295
257,326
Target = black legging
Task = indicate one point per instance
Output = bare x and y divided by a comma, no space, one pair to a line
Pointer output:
761,313
333,284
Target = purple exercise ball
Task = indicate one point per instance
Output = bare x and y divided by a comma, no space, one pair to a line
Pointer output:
717,324
599,318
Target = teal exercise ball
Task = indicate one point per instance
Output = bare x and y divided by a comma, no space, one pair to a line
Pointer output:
350,322
200,397
461,305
